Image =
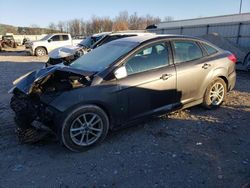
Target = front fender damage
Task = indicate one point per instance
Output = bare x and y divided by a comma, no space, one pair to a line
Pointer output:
33,93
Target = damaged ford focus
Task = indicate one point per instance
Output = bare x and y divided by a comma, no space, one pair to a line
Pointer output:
120,83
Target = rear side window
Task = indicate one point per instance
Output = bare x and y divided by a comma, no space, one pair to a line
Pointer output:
210,50
186,51
65,37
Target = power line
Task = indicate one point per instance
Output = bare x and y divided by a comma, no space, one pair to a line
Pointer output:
240,6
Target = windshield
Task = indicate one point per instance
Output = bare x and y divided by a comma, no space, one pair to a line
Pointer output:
46,37
98,41
86,42
102,57
89,41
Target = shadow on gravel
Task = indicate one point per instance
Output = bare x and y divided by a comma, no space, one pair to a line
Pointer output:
243,77
14,53
189,148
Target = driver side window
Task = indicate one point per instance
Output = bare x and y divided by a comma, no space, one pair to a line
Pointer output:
150,57
55,38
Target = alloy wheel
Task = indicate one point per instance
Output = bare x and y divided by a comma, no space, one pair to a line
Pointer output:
40,52
86,129
217,93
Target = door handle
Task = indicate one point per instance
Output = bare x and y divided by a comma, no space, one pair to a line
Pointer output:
165,76
206,65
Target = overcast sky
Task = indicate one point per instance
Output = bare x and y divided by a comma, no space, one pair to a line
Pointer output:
41,13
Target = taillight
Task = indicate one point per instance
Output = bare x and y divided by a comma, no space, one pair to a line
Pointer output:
232,57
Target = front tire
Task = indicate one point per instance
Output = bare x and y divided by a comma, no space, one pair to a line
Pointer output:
40,51
215,94
83,128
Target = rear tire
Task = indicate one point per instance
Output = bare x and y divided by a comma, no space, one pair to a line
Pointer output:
83,127
215,94
40,51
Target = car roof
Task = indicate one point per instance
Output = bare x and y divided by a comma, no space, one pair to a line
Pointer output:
143,38
131,33
100,34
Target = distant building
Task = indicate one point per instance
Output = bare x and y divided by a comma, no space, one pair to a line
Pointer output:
235,27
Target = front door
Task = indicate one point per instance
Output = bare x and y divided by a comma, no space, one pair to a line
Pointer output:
150,86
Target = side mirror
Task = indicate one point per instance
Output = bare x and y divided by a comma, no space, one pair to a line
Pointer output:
121,72
49,40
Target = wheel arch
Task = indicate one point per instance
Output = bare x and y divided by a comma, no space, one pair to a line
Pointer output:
224,78
99,104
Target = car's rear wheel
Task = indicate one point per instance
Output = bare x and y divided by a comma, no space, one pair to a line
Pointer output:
40,51
83,128
215,94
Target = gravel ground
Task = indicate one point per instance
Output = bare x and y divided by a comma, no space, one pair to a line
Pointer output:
189,148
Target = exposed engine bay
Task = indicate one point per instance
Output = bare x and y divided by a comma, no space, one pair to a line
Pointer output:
30,92
59,81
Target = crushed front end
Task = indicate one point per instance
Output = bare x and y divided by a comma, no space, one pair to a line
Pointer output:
32,95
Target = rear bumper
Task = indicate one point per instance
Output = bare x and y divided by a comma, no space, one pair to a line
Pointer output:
231,81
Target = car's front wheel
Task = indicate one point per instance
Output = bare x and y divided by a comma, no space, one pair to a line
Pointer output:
215,94
40,51
83,127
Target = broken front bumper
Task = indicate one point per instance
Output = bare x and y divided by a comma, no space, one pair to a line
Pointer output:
29,109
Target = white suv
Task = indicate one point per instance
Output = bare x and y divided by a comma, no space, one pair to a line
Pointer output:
49,43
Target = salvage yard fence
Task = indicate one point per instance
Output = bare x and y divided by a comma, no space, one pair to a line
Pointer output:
238,33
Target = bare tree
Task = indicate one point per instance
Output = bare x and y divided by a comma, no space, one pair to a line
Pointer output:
97,26
88,28
107,24
60,26
52,26
83,27
75,27
34,26
134,21
121,21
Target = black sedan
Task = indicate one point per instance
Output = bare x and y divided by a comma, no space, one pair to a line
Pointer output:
120,83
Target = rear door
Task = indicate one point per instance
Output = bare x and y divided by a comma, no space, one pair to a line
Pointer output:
65,40
191,67
150,86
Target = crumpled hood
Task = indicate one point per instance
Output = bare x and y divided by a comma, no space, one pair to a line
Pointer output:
64,51
27,81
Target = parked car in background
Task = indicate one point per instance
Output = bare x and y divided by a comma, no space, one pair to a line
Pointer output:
90,40
68,54
121,82
25,40
8,41
87,45
65,55
49,43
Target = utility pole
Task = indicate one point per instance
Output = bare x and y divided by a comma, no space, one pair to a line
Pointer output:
240,6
